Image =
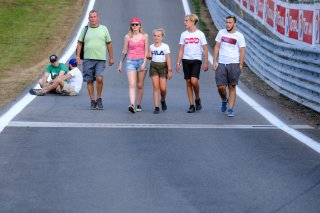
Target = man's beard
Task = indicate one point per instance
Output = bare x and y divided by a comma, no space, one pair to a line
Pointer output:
230,29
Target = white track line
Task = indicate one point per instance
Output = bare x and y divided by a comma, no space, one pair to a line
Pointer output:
20,105
135,125
265,113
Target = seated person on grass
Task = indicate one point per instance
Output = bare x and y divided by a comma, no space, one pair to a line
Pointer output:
53,70
69,84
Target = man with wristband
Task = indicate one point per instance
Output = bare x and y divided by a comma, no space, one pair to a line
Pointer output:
192,44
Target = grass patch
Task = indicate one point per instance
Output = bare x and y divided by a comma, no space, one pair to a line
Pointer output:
31,30
205,23
202,25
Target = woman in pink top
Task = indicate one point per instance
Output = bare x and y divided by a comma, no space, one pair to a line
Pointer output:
135,48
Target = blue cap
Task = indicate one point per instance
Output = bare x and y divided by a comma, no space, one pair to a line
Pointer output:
73,62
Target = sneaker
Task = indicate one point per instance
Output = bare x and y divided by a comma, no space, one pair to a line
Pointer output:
32,92
230,113
37,92
156,110
99,104
40,93
131,108
138,108
224,105
163,105
198,105
93,105
191,109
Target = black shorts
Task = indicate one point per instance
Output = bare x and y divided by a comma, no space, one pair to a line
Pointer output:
191,68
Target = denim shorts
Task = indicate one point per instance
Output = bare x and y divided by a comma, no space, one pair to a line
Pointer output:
134,64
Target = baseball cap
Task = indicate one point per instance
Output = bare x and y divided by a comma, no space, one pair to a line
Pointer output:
73,62
135,20
53,58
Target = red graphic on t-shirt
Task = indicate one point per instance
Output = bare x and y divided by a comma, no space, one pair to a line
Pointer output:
191,40
228,40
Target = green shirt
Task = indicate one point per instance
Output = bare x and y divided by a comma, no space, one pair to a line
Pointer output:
54,71
95,42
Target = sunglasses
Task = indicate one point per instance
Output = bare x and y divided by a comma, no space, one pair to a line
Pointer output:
136,24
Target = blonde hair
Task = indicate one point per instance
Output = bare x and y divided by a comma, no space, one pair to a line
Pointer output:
159,30
130,32
192,17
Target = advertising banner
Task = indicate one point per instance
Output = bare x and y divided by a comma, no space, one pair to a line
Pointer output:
317,26
292,23
245,3
307,26
280,19
252,6
270,13
261,9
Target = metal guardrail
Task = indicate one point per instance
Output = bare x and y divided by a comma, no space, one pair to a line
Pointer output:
292,71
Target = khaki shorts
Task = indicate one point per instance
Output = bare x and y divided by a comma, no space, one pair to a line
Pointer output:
67,90
158,69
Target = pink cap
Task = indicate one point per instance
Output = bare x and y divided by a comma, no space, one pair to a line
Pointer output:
135,20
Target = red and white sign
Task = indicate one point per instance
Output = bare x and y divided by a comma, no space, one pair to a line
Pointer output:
307,28
252,4
293,22
270,13
261,10
245,3
280,19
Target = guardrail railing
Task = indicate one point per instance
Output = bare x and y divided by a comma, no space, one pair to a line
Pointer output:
292,71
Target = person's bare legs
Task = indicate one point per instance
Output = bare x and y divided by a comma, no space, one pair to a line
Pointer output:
163,88
155,83
90,88
222,92
99,85
132,82
232,96
196,87
189,91
53,85
140,83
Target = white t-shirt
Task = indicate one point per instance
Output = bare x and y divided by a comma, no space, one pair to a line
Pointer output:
192,44
230,44
76,80
159,53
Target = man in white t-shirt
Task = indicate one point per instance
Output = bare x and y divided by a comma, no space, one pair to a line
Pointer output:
230,45
69,84
193,44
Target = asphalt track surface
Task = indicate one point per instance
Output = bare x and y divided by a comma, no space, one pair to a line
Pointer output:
58,156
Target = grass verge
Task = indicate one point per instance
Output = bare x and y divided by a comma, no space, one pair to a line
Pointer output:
31,30
205,23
